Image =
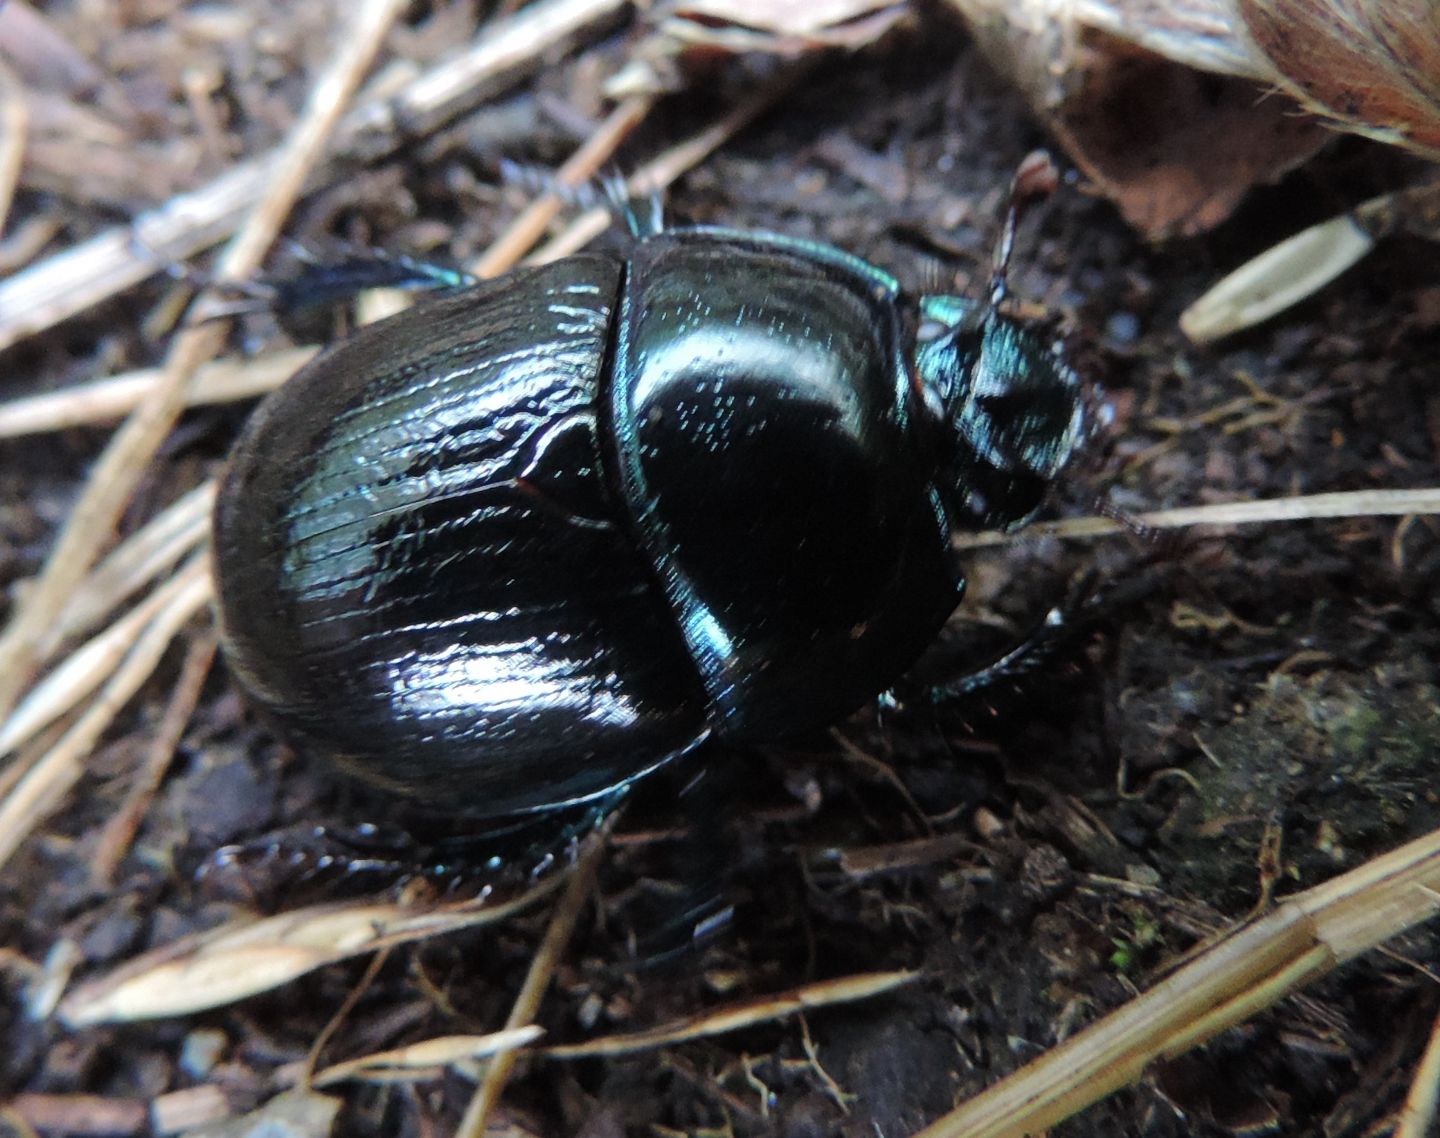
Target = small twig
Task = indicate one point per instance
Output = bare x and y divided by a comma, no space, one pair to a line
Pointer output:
542,968
123,463
1418,1113
117,259
51,778
1351,504
1248,970
120,830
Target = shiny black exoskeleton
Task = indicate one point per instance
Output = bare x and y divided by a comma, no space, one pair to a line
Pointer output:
520,545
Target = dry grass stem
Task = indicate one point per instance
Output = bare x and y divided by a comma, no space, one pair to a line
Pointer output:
1417,1115
1249,969
735,1017
537,980
120,829
14,127
137,562
1345,504
50,779
426,1060
106,401
89,666
95,270
242,959
128,455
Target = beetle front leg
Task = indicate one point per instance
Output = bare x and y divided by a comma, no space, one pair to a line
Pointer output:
1055,631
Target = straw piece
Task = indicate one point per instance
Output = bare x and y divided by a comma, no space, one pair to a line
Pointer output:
124,462
247,957
537,980
107,400
1344,504
96,270
420,1060
37,794
1247,970
734,1017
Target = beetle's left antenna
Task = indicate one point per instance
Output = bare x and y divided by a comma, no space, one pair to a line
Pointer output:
1035,180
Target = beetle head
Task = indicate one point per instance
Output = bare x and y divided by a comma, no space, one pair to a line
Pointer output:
1013,409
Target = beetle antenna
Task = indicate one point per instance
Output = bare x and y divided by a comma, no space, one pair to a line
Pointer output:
1035,180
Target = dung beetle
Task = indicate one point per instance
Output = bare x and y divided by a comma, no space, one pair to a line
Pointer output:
530,540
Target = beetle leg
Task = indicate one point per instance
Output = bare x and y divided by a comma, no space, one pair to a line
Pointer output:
705,860
1037,649
305,301
640,215
331,283
1021,660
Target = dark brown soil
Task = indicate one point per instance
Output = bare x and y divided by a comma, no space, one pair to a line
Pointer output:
1217,691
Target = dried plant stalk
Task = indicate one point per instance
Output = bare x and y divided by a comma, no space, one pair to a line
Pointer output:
1246,971
242,959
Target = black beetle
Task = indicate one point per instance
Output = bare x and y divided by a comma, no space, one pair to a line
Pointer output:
528,541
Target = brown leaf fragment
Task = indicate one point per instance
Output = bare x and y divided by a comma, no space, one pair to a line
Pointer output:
1175,110
1370,66
1173,147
